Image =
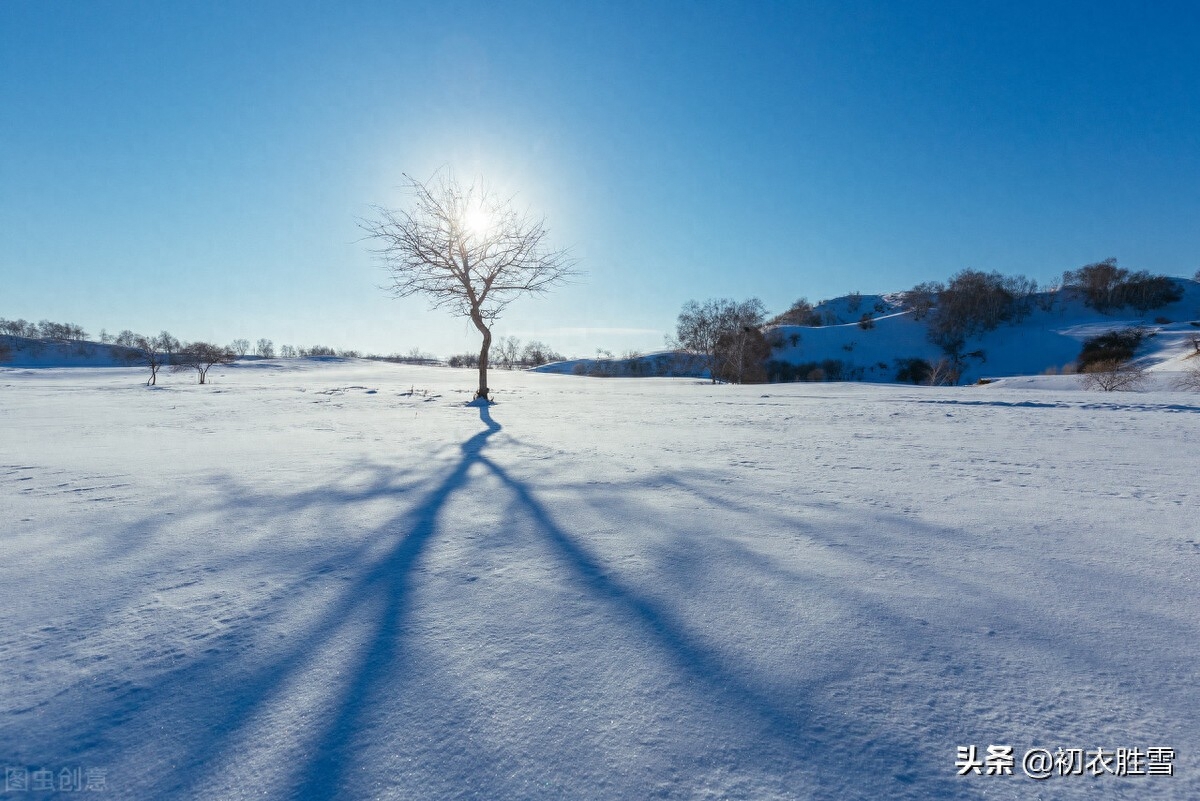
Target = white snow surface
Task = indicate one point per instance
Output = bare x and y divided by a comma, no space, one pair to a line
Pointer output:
337,581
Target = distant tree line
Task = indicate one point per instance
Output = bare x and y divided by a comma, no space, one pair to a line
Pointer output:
509,354
67,332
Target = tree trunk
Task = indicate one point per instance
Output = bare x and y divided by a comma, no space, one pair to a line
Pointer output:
483,355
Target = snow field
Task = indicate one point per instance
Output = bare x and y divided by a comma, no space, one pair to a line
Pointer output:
335,580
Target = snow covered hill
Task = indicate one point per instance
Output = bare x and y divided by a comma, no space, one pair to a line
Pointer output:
336,581
1048,340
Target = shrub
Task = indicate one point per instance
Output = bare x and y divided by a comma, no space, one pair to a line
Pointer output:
913,371
1115,346
922,298
866,322
800,313
464,360
1144,291
1105,287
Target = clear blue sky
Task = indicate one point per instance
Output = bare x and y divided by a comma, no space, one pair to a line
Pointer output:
200,166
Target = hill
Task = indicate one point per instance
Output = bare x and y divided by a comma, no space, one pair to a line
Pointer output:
1047,340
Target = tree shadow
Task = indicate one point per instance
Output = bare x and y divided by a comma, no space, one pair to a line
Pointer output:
364,635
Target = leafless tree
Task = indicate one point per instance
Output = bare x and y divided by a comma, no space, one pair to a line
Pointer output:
740,355
1113,375
202,356
287,351
468,251
943,373
240,347
152,352
508,349
700,327
537,353
265,349
169,344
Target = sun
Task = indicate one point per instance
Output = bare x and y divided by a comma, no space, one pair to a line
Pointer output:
477,220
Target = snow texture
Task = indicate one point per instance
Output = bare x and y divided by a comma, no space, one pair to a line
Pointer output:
337,581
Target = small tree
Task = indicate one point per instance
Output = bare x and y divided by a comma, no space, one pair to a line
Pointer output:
287,351
944,372
508,349
467,250
202,356
537,353
265,349
169,344
1113,375
240,347
152,352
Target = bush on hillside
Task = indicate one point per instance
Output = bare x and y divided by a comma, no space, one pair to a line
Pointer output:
1115,346
913,371
1106,287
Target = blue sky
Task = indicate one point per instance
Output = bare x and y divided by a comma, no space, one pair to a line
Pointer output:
201,166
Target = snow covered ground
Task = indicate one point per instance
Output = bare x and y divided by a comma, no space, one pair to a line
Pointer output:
319,581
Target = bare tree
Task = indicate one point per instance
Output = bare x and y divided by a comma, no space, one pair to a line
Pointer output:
240,347
202,356
468,251
1113,375
287,351
265,349
944,372
537,353
508,349
700,327
740,356
169,344
152,352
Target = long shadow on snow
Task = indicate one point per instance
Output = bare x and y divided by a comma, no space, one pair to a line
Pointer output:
381,598
787,723
381,595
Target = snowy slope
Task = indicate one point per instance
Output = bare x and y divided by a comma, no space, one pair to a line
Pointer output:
322,581
1047,340
26,352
